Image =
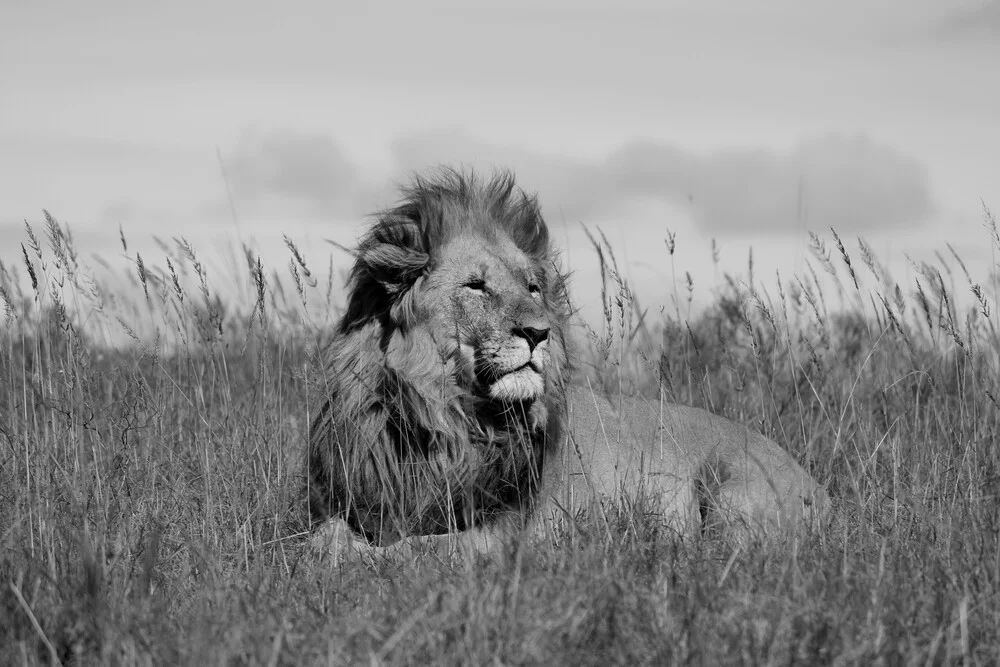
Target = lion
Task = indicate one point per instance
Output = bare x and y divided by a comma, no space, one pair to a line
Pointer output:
447,408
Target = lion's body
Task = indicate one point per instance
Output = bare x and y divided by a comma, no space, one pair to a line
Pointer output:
699,470
447,405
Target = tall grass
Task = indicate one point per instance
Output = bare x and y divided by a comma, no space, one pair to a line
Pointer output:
151,501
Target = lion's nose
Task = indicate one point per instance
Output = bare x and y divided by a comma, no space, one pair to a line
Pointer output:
532,335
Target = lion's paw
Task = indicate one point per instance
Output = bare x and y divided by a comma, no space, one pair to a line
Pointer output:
335,541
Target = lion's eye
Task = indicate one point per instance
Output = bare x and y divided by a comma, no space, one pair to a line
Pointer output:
477,284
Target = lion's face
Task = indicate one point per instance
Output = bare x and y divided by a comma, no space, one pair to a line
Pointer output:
445,376
486,305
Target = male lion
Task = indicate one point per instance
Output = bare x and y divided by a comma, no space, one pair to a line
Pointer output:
447,408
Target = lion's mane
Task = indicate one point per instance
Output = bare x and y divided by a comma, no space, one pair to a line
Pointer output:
401,446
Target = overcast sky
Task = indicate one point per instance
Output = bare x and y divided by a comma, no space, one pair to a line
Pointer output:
749,123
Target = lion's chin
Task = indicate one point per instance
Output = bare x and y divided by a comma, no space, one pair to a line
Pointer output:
523,384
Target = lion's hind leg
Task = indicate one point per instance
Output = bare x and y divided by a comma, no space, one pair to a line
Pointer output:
757,497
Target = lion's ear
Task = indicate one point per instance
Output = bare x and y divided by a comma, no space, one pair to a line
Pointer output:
404,306
395,267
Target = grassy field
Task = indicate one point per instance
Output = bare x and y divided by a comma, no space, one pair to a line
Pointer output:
151,507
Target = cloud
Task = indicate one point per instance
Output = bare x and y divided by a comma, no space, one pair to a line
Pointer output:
848,182
838,181
127,212
576,188
279,169
978,23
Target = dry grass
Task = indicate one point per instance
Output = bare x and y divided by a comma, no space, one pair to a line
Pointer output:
151,506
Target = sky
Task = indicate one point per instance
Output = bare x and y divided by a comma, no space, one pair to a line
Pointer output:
747,123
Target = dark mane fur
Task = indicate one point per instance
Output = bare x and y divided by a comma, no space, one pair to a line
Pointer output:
400,447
